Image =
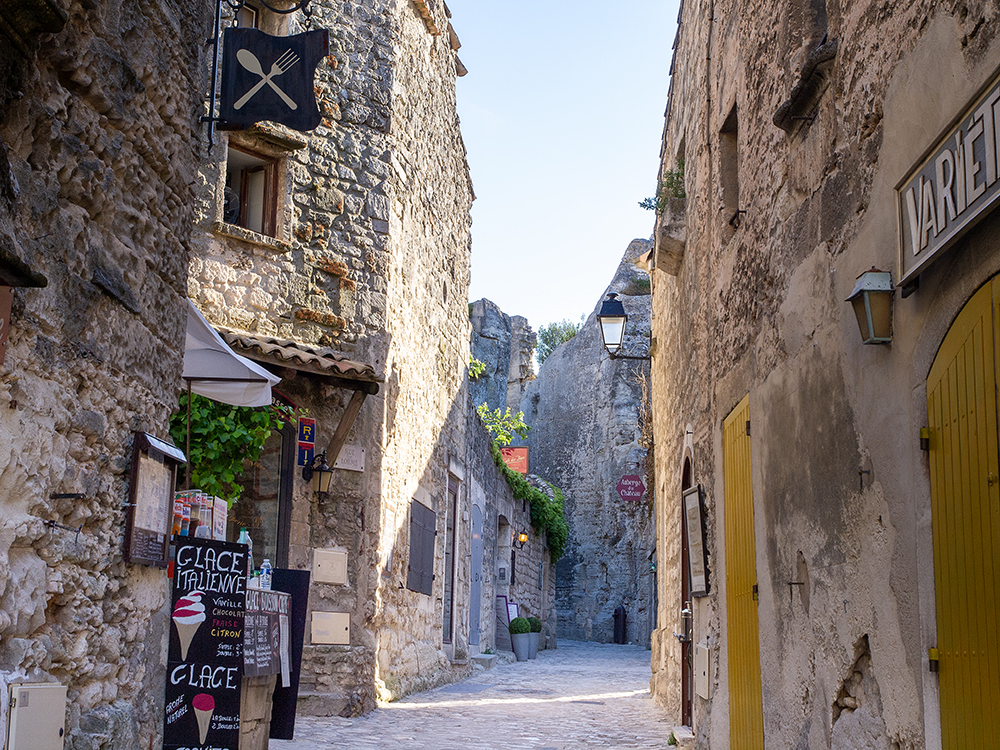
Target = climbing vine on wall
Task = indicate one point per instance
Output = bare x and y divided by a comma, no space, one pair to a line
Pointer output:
547,514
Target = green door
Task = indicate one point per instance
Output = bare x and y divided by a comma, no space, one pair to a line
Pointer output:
965,503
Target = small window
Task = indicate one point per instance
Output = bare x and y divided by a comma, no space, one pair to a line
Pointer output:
420,573
729,173
251,191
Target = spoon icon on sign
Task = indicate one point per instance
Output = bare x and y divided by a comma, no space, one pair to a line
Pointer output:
249,61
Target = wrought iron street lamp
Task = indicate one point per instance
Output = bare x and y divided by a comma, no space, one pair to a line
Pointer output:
521,539
872,301
319,473
612,319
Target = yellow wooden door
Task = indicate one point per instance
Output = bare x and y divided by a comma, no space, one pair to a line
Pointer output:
965,505
746,717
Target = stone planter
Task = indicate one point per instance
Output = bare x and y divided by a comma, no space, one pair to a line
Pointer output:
522,644
533,645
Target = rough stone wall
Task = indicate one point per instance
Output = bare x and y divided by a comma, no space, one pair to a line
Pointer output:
371,258
98,149
759,309
506,345
584,412
504,516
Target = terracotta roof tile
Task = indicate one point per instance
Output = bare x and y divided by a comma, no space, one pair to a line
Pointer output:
298,355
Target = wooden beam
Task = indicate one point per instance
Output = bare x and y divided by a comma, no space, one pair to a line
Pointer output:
346,423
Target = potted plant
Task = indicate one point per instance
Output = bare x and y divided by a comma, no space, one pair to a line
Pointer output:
520,637
536,635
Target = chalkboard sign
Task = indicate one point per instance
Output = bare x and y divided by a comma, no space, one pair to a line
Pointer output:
266,633
205,656
151,500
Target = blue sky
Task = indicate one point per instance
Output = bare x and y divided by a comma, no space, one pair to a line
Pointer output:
562,113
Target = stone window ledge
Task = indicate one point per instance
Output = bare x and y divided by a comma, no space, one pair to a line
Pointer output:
254,238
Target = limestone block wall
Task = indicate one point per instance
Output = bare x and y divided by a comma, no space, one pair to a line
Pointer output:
503,517
506,345
584,413
99,140
841,490
370,258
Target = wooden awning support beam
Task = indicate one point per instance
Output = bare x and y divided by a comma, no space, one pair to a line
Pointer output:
346,423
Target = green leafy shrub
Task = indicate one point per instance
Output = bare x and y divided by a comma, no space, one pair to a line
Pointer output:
223,439
503,426
536,624
554,334
476,368
518,626
671,186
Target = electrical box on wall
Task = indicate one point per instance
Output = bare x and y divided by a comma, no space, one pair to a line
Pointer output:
702,665
502,573
37,717
331,628
330,566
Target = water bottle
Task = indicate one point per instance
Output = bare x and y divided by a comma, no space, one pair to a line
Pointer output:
265,574
245,539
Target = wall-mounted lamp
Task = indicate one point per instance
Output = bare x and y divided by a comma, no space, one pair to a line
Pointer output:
612,319
521,539
872,301
319,473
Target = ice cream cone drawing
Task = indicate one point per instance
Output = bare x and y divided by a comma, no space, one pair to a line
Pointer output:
189,614
203,705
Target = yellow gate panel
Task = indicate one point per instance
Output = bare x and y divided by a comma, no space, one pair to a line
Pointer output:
746,716
965,504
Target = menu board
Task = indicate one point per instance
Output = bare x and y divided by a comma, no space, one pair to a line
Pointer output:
266,619
151,494
205,656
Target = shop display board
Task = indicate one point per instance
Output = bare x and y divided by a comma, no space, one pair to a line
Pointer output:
151,500
205,657
296,583
266,640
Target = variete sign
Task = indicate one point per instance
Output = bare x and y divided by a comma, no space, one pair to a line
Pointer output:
952,187
270,78
630,487
205,653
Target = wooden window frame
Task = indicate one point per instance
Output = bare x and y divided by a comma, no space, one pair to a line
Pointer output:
269,211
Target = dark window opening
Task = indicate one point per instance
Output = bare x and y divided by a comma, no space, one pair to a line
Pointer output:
265,505
729,173
251,191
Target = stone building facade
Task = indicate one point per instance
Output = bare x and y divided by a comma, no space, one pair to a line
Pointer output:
824,609
99,147
356,292
586,412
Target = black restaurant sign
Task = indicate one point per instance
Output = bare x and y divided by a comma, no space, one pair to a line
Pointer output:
270,78
205,653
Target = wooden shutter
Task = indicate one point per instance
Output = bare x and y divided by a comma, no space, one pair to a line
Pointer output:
420,573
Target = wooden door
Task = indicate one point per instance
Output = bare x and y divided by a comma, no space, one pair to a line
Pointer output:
965,504
746,718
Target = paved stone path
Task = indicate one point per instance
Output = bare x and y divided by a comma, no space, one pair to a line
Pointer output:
581,695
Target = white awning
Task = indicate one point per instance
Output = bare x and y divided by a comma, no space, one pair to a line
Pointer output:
217,372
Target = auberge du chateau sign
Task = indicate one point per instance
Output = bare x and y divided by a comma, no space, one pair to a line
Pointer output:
952,187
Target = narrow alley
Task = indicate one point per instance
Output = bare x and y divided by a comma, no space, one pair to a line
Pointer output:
581,695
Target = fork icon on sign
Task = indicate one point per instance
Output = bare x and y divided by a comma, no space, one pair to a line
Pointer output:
249,61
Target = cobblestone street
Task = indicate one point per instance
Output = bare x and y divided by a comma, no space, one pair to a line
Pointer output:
582,695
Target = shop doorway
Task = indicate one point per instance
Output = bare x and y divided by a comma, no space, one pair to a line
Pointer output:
687,657
965,512
476,587
746,716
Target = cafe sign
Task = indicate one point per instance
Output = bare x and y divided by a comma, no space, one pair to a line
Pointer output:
952,188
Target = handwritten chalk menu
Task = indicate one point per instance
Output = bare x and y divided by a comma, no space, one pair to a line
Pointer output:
205,657
262,652
151,494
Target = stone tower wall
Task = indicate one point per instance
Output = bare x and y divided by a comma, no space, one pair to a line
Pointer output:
99,142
